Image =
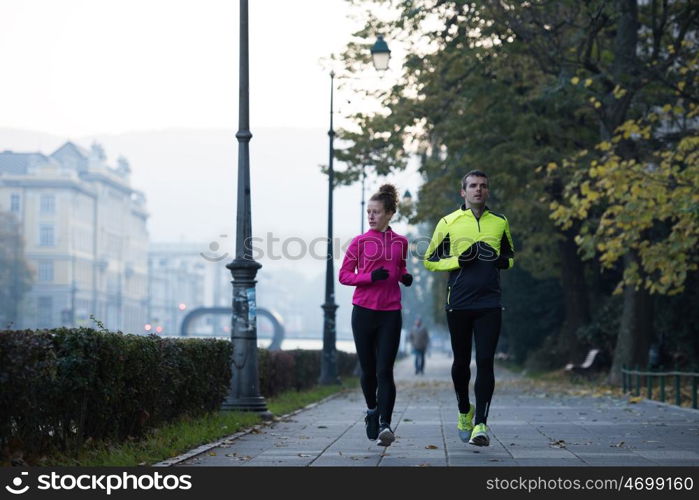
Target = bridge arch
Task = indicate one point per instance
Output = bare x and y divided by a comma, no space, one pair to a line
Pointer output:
273,317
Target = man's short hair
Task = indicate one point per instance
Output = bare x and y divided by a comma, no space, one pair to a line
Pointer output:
477,173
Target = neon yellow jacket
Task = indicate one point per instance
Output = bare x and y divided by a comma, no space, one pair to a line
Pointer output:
486,241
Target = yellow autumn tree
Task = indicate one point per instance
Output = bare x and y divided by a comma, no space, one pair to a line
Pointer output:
646,203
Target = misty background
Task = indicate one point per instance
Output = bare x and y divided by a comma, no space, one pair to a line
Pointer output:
157,83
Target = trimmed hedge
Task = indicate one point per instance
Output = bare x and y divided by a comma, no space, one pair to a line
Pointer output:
61,387
297,369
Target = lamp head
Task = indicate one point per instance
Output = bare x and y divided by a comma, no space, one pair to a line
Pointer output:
380,54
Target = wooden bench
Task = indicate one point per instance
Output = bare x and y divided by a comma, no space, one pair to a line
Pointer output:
592,356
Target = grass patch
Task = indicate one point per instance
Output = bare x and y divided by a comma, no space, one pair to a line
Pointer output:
186,433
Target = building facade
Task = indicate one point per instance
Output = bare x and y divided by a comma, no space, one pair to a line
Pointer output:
85,236
180,282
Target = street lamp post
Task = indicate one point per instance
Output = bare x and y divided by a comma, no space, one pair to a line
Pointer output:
328,366
244,394
362,203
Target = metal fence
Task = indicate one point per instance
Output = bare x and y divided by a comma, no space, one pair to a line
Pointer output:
633,379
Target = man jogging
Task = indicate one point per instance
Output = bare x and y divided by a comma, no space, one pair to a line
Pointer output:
473,244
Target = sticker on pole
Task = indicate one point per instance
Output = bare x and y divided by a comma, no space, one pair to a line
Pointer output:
252,307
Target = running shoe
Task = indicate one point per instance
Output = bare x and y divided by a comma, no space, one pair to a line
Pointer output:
371,422
465,424
386,436
479,436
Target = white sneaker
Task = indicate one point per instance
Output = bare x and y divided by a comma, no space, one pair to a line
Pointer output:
386,436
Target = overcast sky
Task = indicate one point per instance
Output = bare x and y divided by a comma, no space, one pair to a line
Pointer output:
103,69
157,81
78,67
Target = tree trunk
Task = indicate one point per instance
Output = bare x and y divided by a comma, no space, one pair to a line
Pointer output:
575,298
635,330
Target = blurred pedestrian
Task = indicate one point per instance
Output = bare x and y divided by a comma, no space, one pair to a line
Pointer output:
473,244
375,264
419,337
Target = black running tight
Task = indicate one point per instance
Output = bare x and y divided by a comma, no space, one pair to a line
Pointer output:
484,326
377,337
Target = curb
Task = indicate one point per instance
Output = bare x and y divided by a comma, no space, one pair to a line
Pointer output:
228,439
669,406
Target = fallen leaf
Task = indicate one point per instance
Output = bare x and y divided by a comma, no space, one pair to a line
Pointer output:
304,455
212,453
635,399
558,444
620,444
431,447
407,420
322,426
493,460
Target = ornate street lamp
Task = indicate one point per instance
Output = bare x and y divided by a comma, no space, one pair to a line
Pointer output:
380,55
328,365
244,392
362,203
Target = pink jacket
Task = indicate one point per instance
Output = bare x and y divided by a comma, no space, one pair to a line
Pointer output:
367,252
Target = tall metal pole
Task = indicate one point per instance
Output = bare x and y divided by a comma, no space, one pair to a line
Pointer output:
328,367
244,394
362,204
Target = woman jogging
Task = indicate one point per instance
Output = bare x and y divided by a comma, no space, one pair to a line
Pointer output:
374,264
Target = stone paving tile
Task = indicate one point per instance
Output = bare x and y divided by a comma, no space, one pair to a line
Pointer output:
526,429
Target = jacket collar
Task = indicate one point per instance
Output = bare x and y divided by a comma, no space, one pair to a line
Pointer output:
463,207
374,231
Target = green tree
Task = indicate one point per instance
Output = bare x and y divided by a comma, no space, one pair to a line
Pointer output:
476,97
511,86
15,274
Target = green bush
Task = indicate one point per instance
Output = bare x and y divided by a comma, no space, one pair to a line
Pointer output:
296,369
61,387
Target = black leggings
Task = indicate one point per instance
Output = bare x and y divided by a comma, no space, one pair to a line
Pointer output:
484,326
377,336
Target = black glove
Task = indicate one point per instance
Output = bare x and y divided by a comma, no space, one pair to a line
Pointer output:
468,256
502,262
379,274
407,279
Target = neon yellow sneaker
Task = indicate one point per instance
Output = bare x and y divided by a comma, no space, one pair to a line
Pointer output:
465,424
479,436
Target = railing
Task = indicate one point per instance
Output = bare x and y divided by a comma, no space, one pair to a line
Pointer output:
629,383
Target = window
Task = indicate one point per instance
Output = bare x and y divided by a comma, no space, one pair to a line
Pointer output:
47,204
46,271
14,203
46,235
44,308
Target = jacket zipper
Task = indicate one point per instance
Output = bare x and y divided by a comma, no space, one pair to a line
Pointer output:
448,293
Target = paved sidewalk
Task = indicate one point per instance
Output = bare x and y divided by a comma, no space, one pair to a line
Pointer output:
530,429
